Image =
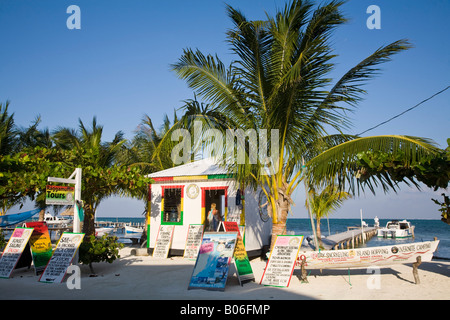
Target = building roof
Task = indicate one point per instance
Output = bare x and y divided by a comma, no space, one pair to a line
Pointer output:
204,167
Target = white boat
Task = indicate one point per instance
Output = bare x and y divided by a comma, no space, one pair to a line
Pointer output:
130,229
396,229
101,231
54,221
368,256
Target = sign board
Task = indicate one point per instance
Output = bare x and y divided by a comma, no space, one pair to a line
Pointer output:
163,241
62,257
243,266
213,261
59,195
369,256
40,244
279,268
13,250
193,241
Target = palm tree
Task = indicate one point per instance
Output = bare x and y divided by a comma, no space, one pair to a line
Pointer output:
7,130
280,80
92,155
324,202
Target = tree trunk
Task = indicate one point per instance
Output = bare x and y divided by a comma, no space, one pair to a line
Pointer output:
282,210
89,222
41,215
318,232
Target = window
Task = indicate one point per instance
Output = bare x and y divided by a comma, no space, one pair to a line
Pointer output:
172,205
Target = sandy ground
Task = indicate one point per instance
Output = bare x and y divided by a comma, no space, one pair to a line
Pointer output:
145,277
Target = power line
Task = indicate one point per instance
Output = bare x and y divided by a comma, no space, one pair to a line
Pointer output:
407,110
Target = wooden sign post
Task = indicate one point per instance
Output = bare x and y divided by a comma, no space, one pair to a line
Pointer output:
13,250
62,257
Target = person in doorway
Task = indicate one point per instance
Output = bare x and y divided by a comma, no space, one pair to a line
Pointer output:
214,218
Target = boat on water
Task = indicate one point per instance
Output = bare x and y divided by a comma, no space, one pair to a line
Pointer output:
56,222
396,229
368,256
129,229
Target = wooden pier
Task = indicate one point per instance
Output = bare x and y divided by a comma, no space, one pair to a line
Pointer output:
349,239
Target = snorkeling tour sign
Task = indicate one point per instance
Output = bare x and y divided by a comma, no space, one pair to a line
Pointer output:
60,195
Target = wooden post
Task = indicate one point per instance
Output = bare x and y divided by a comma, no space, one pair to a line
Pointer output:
303,277
415,267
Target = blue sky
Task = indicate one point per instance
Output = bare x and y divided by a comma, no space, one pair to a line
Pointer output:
117,67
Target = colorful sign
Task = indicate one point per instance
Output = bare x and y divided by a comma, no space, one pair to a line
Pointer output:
163,241
60,195
213,261
13,250
193,241
62,257
40,244
243,266
279,268
369,256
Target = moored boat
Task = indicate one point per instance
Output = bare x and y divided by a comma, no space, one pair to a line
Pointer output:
130,229
396,229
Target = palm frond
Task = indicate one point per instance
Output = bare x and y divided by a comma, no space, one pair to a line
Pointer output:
339,162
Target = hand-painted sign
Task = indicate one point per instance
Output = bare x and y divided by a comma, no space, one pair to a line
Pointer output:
279,268
243,266
60,195
163,241
13,250
40,244
193,241
62,257
212,264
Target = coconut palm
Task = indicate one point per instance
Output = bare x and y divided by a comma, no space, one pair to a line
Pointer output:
93,155
280,80
324,202
7,130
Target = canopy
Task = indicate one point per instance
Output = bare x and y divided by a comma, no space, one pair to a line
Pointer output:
12,219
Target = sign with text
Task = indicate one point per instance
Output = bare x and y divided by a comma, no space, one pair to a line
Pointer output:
243,266
279,268
163,241
40,244
62,257
213,261
60,195
193,241
13,250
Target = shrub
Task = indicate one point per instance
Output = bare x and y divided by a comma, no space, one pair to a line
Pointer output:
101,249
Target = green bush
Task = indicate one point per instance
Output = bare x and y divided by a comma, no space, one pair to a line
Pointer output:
101,249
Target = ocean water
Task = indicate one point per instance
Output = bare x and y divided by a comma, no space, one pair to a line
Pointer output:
425,230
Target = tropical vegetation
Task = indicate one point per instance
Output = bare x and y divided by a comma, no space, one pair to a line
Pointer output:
280,79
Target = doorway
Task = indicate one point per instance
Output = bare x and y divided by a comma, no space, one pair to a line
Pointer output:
217,196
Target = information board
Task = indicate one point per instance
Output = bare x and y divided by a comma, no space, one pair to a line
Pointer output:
163,241
13,250
62,257
60,195
193,241
243,266
213,261
279,268
40,244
